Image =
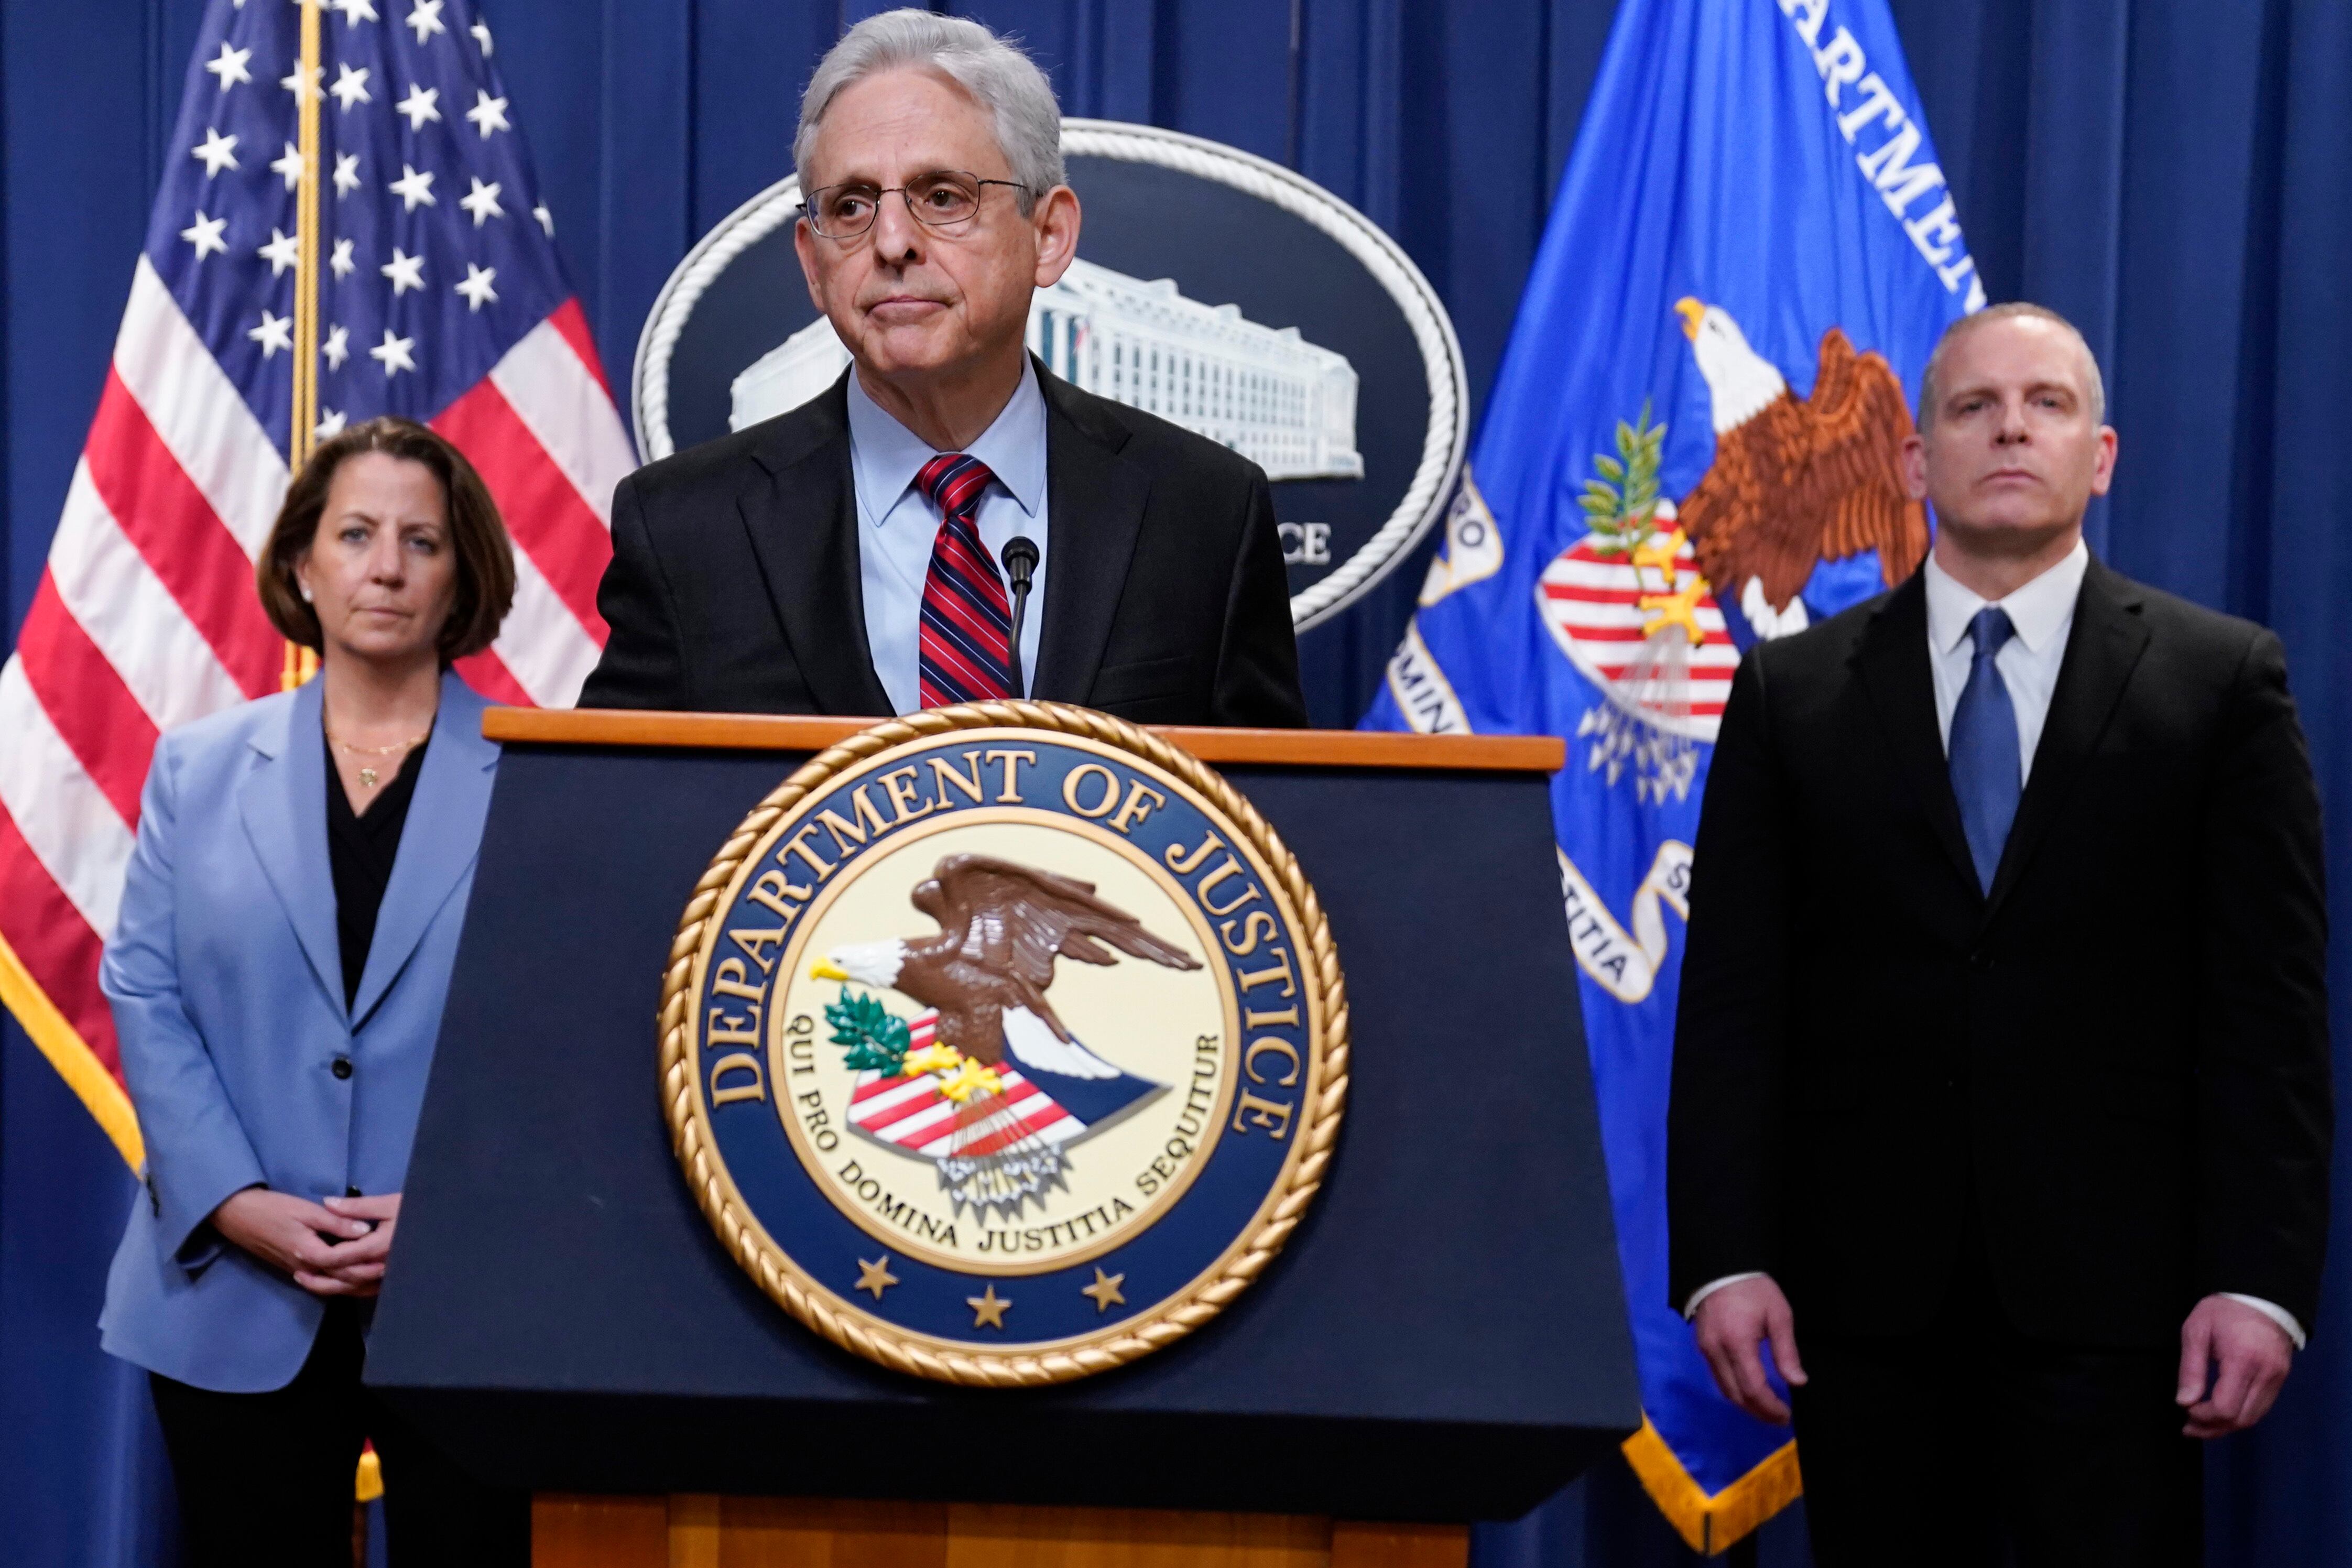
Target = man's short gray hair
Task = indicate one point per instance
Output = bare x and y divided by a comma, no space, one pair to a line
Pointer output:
2093,387
1001,78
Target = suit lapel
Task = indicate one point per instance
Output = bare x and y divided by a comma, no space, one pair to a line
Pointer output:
283,804
1894,659
2102,650
1094,501
439,841
802,526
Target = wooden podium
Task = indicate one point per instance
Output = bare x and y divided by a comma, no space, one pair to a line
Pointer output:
1443,1340
707,1532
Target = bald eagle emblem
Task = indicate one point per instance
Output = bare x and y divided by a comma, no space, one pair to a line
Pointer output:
1794,483
1635,603
987,1080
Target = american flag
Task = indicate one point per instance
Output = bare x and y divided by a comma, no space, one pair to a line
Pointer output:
440,297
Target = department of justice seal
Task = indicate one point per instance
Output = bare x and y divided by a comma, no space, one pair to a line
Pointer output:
1213,289
1003,1043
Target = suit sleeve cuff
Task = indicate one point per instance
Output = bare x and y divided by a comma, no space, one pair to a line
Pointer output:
1690,1308
201,1250
184,1210
2271,1310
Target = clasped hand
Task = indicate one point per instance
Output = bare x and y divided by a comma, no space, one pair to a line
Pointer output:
2233,1358
334,1248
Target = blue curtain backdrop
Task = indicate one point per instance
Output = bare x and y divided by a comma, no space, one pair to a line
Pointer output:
2168,172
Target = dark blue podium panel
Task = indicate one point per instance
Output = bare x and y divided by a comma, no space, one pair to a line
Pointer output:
1444,1338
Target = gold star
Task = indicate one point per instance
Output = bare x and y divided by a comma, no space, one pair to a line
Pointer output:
875,1276
1105,1291
987,1309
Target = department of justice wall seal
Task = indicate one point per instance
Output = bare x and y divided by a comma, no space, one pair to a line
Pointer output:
1214,289
1003,1043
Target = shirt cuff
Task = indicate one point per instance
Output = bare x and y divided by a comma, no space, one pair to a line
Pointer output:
2271,1310
1690,1308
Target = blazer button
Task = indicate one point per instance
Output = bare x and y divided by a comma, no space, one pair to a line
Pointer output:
342,1067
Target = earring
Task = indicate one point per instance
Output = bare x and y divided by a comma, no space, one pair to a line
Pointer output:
305,588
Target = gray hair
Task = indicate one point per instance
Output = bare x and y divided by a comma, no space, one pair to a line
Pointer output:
1003,80
2095,388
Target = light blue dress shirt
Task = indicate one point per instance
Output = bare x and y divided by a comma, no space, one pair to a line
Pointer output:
897,525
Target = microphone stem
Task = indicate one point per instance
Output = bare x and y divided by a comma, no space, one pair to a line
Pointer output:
1020,557
1020,612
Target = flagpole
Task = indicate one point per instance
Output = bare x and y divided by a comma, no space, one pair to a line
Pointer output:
301,433
306,234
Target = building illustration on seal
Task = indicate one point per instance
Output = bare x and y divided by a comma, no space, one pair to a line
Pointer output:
1286,404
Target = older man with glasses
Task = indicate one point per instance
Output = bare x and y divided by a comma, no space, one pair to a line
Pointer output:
950,522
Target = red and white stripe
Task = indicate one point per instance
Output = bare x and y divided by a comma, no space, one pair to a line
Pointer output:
911,1113
1593,602
542,431
147,618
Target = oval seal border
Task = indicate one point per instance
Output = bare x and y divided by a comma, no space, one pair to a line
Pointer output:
1444,446
841,1322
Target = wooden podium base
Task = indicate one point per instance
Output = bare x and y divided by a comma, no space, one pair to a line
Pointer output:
703,1532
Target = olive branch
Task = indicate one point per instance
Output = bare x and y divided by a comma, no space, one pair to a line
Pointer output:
876,1037
1622,505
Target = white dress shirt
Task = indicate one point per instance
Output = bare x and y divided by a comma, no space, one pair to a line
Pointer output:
2041,613
897,525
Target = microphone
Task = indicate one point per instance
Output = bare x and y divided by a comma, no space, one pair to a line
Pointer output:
1020,558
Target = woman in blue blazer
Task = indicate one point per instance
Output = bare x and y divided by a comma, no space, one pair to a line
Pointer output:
286,930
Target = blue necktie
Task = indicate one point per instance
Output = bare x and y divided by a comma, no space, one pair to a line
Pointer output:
1986,772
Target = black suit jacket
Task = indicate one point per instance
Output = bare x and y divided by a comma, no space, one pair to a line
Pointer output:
2120,1056
734,581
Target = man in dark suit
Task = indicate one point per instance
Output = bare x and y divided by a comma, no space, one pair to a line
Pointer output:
2001,1065
844,557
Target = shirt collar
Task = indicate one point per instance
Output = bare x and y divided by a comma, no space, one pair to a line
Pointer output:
2038,612
884,456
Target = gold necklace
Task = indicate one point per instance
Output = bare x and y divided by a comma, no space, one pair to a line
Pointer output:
368,775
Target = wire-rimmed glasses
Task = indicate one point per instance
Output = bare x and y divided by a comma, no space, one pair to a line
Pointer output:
942,199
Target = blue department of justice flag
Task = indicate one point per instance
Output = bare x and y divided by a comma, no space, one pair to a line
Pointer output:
1692,444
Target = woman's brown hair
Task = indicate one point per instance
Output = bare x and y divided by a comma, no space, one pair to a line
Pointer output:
477,535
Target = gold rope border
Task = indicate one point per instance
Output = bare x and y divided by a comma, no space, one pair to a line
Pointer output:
786,1283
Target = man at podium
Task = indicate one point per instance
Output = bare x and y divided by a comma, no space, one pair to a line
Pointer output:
950,522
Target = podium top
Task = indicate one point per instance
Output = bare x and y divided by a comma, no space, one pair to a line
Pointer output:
801,732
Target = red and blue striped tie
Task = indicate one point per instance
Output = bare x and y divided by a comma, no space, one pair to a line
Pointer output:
967,627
